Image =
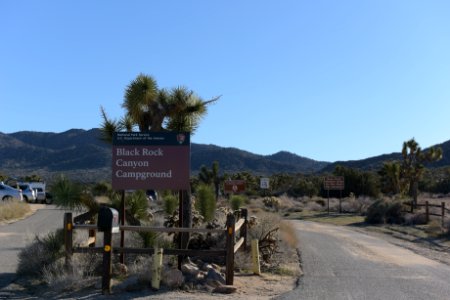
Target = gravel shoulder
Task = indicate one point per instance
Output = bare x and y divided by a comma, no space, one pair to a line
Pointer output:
434,249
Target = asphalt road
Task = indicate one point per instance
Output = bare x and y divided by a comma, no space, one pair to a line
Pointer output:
339,263
15,236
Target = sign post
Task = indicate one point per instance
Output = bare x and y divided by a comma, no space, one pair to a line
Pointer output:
334,183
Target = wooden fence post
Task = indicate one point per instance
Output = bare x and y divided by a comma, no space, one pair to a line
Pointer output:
244,214
68,240
231,222
92,238
427,213
442,214
107,253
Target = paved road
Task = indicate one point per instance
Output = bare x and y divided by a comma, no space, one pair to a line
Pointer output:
15,236
339,263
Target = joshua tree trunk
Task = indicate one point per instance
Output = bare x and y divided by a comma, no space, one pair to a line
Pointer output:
414,192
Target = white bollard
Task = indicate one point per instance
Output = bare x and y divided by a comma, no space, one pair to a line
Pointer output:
255,257
157,268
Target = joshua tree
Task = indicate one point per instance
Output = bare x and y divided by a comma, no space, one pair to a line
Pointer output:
413,164
211,177
148,108
390,175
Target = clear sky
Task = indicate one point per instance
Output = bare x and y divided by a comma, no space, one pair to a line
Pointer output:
325,79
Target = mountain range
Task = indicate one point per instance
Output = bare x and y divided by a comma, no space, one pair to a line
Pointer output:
83,155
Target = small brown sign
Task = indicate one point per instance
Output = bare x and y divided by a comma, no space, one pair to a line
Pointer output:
234,186
334,183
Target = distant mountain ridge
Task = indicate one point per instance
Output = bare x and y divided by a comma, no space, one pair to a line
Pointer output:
82,154
376,162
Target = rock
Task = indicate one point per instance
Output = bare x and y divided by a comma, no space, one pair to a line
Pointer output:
225,289
206,266
172,278
190,269
200,277
119,269
214,278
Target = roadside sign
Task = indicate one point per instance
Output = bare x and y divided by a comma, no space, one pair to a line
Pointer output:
234,186
151,160
334,183
264,183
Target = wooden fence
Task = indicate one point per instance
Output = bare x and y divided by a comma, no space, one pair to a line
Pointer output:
443,213
235,223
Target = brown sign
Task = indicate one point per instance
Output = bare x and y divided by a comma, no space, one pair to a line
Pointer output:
159,160
234,186
334,183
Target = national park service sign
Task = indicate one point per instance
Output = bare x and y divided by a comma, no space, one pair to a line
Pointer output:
151,160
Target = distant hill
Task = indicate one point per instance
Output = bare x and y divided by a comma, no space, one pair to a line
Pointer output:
376,162
234,160
83,155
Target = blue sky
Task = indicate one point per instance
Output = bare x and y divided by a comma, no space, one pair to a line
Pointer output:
329,80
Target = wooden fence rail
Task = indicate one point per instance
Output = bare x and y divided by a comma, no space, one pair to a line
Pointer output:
232,246
429,213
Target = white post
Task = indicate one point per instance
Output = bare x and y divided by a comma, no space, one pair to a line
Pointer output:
255,257
157,268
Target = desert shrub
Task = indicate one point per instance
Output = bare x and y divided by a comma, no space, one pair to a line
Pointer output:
137,204
434,228
84,272
13,209
266,232
67,194
272,202
296,208
375,212
383,211
321,202
236,201
101,189
393,214
170,203
364,203
350,206
334,205
206,202
41,253
415,219
313,206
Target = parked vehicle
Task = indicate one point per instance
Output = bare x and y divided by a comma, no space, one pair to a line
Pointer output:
29,195
7,193
48,198
152,195
40,195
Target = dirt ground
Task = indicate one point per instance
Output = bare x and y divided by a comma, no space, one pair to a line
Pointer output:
266,286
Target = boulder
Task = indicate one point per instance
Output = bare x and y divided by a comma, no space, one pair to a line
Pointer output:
172,278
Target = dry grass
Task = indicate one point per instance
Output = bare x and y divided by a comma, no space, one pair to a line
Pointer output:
10,210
